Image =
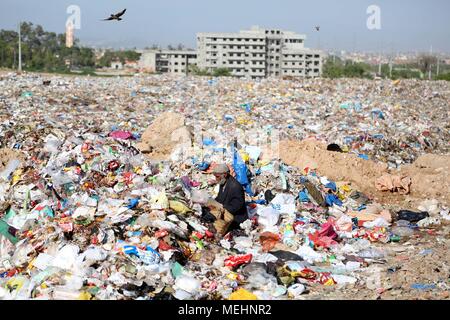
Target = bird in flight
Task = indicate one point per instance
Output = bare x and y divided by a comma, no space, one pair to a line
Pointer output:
318,28
116,16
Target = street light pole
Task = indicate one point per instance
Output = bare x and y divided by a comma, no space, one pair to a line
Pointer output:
20,48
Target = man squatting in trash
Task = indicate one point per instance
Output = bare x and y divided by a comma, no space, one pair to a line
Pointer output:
231,195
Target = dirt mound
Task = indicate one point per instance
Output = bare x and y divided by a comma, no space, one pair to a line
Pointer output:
430,177
429,173
336,166
163,135
7,155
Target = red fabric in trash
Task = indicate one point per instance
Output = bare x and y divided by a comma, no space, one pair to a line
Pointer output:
161,233
163,246
321,241
269,240
123,135
328,231
236,261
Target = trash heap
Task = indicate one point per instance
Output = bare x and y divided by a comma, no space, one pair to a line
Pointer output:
91,210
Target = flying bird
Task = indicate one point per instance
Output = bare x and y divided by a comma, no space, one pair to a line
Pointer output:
116,16
318,28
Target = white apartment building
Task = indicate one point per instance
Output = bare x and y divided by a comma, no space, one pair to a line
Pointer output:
259,53
167,61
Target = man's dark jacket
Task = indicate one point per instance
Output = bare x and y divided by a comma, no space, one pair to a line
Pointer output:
232,197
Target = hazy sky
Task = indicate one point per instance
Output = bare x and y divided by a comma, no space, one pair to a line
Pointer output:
405,24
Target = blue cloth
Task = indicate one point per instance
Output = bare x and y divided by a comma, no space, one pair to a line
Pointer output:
332,186
203,166
133,203
363,156
332,199
303,196
209,142
131,250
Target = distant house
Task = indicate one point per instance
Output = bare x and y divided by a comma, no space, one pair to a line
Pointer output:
130,64
116,65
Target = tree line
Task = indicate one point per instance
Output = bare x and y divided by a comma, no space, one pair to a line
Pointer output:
334,67
47,51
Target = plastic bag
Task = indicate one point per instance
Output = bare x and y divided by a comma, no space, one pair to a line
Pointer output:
200,196
268,217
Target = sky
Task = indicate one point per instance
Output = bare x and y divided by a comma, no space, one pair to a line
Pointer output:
406,25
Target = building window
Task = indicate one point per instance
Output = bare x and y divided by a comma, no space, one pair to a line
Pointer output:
176,70
176,63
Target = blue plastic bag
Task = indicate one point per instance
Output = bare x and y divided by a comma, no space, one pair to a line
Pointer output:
303,196
332,199
240,168
332,186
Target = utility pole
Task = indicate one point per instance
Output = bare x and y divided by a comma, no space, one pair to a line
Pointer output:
390,68
429,73
20,48
379,66
438,65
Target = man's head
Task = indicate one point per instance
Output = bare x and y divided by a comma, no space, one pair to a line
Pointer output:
221,172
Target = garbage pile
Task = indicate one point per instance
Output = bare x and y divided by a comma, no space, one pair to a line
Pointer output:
95,206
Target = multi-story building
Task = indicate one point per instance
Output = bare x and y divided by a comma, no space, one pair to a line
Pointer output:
259,53
167,61
255,53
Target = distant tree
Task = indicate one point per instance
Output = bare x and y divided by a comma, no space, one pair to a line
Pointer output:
445,76
347,69
425,62
195,70
170,47
41,50
221,72
180,47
